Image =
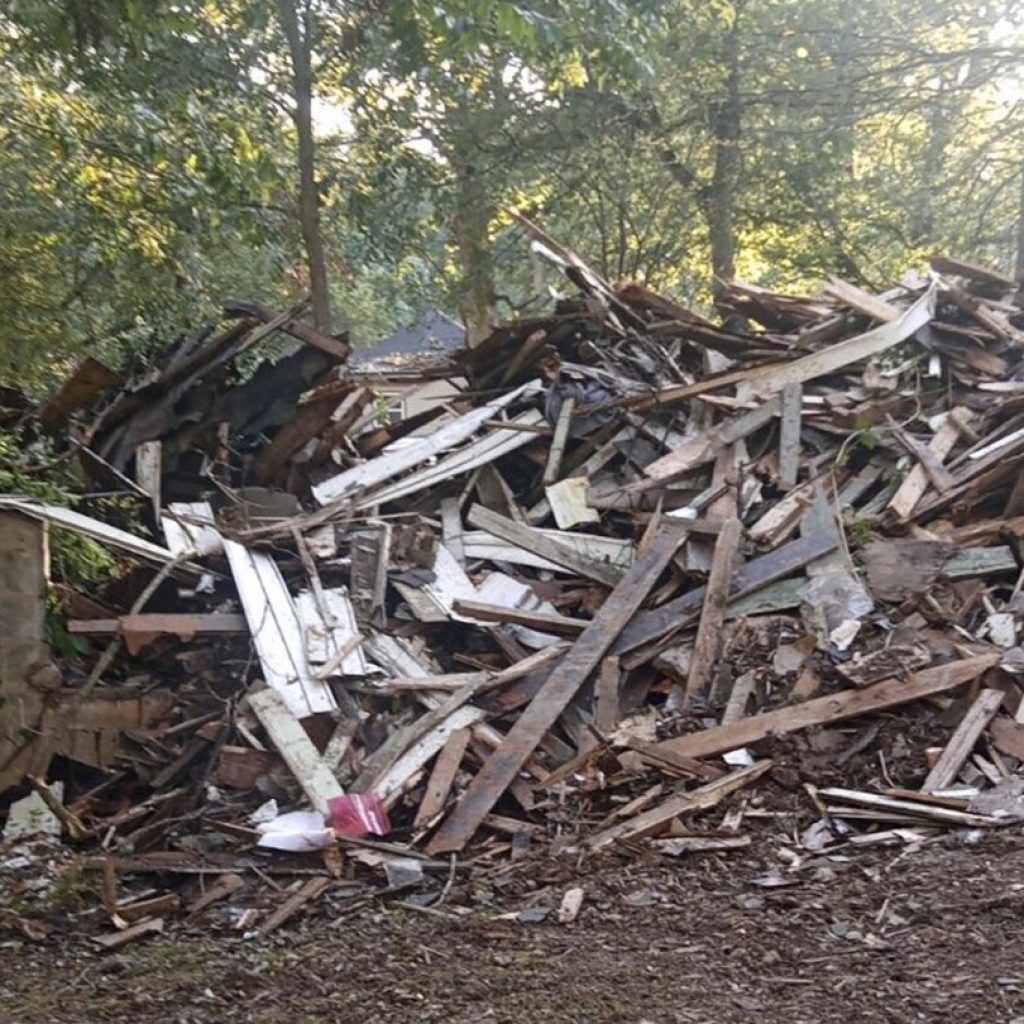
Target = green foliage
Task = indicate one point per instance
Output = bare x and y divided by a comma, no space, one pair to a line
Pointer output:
34,471
860,530
147,153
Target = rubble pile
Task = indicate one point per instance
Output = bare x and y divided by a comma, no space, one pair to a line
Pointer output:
620,564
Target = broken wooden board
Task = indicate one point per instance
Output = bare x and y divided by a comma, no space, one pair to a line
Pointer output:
545,621
330,631
789,435
649,626
961,743
190,526
386,467
766,382
277,631
900,568
552,548
442,778
294,745
704,448
701,799
543,711
480,544
310,890
887,806
498,442
911,490
834,708
102,533
568,502
708,643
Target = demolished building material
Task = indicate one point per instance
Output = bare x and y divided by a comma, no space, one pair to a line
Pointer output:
524,618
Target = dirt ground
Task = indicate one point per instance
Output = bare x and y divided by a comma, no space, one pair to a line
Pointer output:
932,935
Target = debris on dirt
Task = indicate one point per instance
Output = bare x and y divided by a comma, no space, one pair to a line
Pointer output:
618,571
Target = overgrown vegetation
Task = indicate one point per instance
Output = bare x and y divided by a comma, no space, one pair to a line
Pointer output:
158,155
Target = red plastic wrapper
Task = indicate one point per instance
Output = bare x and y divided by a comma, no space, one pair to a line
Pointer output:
358,815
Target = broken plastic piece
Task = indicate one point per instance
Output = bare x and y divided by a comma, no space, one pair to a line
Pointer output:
357,815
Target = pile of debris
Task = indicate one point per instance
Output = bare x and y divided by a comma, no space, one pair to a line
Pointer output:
569,604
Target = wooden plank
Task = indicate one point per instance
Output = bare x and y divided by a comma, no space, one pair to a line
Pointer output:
843,353
961,743
184,626
789,435
941,478
389,465
707,646
441,780
483,545
909,808
783,516
308,891
696,451
150,927
369,554
607,711
973,272
277,631
557,449
1008,736
418,754
190,526
647,627
543,621
221,889
540,715
915,483
481,452
290,324
311,772
861,301
111,536
451,526
567,500
657,818
330,629
546,546
888,693
149,456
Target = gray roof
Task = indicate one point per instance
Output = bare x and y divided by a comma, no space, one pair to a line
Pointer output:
434,335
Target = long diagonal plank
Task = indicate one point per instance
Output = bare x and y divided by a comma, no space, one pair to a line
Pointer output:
567,677
961,743
835,707
649,626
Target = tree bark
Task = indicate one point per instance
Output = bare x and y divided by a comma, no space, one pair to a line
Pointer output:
1018,264
300,52
470,225
726,122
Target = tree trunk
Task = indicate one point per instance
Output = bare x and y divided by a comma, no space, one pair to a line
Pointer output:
299,49
473,213
1018,265
726,123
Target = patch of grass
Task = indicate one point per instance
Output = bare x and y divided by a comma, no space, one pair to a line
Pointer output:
860,530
